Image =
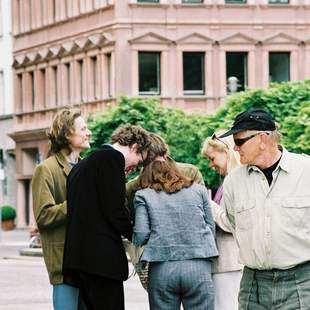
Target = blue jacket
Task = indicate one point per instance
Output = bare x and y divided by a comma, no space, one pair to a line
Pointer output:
176,226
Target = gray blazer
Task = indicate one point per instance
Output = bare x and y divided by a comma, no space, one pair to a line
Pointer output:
176,226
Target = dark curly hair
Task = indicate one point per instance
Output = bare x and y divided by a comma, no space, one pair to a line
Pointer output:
62,127
128,135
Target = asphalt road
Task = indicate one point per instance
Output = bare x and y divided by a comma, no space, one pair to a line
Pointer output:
24,283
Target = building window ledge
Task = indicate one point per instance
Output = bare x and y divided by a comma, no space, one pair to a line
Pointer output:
194,97
236,5
147,5
193,5
149,94
279,5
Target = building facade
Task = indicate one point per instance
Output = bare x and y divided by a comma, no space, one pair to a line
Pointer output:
190,53
7,145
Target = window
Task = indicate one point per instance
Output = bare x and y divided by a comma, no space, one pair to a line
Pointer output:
93,76
235,1
109,74
67,78
149,73
54,10
32,93
193,73
41,89
279,67
80,65
192,1
19,92
278,1
148,1
55,85
236,71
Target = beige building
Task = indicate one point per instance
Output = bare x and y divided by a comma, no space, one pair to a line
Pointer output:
190,53
7,145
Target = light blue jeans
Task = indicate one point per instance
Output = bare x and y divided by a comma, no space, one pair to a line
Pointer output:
186,282
65,297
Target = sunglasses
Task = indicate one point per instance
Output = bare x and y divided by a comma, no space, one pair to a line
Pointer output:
241,141
214,137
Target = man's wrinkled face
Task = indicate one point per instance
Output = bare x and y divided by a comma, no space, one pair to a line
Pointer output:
248,147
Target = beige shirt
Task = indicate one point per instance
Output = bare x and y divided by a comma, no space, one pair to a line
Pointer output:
271,223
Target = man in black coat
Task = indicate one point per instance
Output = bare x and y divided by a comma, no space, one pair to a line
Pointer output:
94,257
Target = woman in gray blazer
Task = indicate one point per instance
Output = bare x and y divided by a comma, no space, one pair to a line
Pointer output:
173,220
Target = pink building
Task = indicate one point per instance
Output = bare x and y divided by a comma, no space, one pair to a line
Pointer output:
190,53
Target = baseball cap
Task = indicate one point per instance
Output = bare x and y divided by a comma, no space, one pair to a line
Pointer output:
252,119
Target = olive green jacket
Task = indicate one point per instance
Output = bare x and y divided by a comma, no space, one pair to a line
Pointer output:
50,211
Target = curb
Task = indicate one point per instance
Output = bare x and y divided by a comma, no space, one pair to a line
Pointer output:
37,252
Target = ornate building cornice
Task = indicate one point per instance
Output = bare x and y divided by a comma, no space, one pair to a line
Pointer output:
70,47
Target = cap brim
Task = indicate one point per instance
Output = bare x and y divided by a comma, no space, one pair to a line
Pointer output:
230,132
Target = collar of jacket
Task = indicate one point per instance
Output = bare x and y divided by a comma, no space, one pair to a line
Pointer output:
61,159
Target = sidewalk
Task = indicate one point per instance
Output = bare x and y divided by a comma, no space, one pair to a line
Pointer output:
14,237
24,282
12,241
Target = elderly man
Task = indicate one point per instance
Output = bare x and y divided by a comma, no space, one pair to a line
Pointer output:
267,202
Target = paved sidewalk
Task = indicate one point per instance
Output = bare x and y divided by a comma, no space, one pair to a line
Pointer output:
24,283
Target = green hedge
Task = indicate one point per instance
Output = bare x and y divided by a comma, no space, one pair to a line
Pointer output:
289,103
7,213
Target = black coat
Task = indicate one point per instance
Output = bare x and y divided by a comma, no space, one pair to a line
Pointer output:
97,217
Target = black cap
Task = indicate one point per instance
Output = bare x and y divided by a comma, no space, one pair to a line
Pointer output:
252,119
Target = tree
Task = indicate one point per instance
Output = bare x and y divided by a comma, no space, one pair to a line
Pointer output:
289,103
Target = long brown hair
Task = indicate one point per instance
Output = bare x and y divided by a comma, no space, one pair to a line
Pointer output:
163,176
62,127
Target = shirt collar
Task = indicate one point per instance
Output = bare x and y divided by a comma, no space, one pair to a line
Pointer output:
61,158
284,163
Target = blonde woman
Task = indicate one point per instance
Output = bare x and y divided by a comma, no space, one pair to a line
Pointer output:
226,269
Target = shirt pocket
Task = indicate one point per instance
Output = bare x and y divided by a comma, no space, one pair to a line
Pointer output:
296,211
244,214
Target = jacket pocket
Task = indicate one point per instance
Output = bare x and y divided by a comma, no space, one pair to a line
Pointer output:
244,214
55,259
296,211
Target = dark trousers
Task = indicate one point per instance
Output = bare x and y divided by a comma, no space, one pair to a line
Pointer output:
101,293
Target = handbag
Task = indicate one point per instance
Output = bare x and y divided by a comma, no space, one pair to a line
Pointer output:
141,267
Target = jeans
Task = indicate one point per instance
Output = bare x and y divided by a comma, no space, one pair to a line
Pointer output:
66,297
275,289
174,282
